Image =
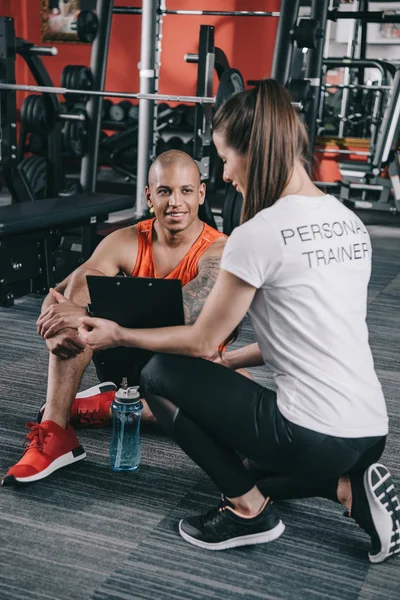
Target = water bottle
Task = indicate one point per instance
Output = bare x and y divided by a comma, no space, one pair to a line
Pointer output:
125,444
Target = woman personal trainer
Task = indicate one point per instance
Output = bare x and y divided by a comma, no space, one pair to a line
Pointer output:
300,265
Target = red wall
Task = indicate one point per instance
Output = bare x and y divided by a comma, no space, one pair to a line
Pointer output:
247,41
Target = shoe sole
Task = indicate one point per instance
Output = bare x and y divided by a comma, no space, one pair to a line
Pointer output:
69,458
385,510
245,540
107,386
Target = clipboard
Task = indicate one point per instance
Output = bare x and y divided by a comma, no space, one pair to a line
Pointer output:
137,303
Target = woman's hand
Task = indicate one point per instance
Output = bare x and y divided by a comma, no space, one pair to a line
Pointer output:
99,334
220,359
60,315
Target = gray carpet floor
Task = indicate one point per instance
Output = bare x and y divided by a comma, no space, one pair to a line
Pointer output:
87,533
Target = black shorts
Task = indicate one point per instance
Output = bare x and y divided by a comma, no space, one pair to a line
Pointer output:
117,363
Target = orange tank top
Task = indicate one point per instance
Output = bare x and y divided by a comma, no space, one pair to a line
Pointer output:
187,269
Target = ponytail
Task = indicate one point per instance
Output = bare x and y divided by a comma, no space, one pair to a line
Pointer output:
262,124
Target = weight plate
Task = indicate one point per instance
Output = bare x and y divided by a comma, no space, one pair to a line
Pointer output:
25,111
307,33
231,83
87,25
133,112
116,113
300,91
37,144
77,77
35,170
75,137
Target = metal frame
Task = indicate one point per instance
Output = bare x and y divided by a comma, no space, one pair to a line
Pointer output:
98,66
54,151
15,179
148,69
203,113
390,127
283,49
387,72
313,70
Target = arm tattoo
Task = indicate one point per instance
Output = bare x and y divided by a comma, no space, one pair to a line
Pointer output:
196,291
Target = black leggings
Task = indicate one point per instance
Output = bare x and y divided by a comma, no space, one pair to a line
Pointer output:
217,417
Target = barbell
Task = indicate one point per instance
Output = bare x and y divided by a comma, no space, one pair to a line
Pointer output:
62,90
355,86
162,97
137,10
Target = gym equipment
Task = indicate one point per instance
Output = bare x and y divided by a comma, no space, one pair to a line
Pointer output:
307,33
77,77
86,26
300,91
74,135
37,144
133,10
35,170
231,83
122,112
232,209
110,94
36,116
30,234
105,110
363,185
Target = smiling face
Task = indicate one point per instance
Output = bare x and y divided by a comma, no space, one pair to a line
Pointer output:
235,164
175,192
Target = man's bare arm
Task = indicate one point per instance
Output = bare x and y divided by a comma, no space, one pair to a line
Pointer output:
196,291
114,254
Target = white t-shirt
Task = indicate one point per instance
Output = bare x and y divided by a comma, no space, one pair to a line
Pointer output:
310,260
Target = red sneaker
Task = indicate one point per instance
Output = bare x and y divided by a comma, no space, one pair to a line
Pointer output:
49,448
90,407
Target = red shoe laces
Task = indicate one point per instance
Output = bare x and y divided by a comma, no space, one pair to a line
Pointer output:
35,438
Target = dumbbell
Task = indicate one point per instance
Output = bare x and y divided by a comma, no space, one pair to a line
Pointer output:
119,112
105,109
133,112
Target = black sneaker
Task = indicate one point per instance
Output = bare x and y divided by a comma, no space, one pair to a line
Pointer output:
223,527
377,510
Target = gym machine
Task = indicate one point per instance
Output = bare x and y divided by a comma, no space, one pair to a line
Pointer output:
31,230
366,111
362,185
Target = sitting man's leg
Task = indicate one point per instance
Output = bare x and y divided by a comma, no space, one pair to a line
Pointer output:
53,444
93,406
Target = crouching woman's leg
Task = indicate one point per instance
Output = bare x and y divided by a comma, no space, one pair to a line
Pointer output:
212,424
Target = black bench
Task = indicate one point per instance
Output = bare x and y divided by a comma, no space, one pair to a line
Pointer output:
30,234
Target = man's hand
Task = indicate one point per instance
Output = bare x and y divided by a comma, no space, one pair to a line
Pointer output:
99,334
61,315
66,344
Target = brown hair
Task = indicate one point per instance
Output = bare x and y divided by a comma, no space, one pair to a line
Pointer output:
262,124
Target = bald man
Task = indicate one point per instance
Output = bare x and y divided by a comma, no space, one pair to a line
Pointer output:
174,244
